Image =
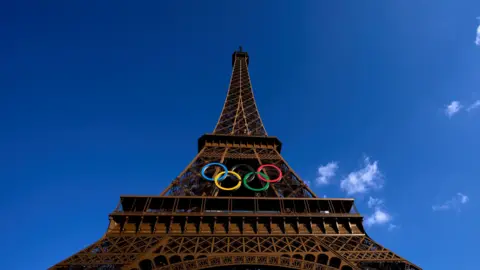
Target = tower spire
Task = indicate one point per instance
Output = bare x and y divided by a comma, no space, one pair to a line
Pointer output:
240,115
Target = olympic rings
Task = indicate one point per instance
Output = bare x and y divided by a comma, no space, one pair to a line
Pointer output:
232,173
246,179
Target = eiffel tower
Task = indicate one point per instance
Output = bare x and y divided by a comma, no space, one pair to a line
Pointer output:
237,205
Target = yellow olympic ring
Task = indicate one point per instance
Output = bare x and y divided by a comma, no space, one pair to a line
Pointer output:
215,179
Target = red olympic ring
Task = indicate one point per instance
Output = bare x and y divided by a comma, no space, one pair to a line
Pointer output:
280,174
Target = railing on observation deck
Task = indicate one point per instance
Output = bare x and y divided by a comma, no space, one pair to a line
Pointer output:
189,205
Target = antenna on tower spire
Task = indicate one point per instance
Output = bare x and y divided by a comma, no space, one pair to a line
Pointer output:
240,49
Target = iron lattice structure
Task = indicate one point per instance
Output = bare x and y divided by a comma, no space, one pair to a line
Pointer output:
194,224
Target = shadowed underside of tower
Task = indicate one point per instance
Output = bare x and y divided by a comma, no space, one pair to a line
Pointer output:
237,205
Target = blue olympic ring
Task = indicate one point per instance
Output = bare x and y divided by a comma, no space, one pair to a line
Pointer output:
210,178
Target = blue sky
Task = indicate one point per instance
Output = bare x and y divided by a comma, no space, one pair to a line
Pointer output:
370,98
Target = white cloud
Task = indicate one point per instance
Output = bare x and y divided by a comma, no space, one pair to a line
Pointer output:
453,108
325,173
474,105
374,202
463,198
453,204
363,180
392,227
378,217
477,39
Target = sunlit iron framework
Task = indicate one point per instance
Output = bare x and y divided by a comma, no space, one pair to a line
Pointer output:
195,225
